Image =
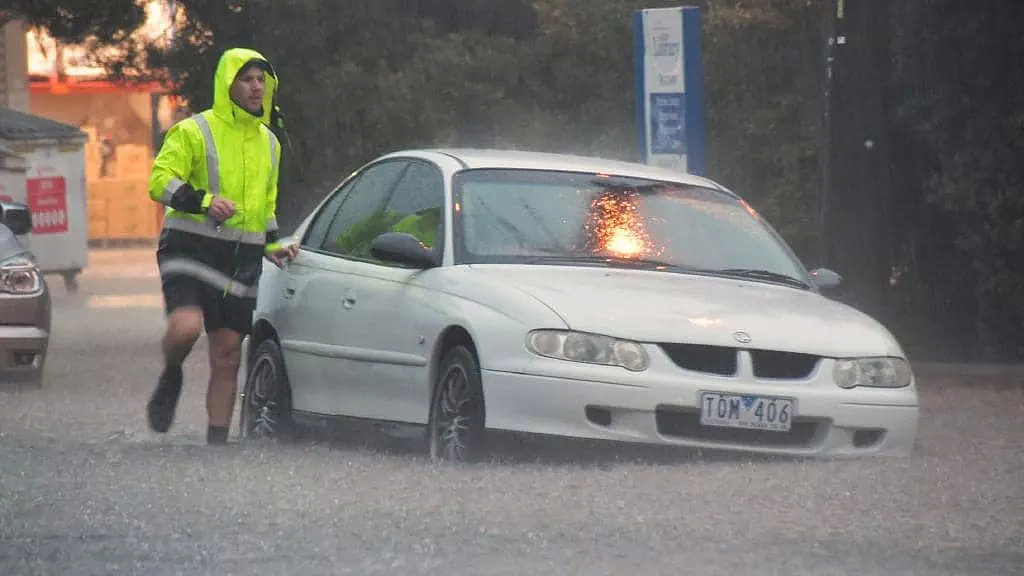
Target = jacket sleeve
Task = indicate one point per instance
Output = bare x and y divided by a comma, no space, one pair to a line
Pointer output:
168,181
273,244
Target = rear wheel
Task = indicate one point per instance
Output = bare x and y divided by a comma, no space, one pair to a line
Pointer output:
266,398
456,429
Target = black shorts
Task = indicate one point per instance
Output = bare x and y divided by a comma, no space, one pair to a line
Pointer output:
219,310
233,266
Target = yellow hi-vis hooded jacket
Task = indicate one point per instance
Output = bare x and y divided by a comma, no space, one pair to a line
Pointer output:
223,151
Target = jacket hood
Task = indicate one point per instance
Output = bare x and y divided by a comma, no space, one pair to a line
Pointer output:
231,62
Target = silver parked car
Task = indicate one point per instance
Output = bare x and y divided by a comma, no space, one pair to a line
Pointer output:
471,290
24,302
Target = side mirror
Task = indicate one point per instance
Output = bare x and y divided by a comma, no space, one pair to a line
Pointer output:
826,279
402,248
16,216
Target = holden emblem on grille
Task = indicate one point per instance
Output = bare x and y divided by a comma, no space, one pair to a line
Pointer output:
741,337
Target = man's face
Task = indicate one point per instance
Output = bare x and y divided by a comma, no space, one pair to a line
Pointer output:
247,89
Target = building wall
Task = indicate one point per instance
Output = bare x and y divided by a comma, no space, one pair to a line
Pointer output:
124,117
14,67
117,158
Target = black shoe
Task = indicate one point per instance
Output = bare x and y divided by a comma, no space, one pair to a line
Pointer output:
164,400
217,435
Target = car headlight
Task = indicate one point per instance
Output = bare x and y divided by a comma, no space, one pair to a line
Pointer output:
19,276
872,372
588,348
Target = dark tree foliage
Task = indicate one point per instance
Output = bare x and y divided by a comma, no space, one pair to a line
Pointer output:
958,105
107,21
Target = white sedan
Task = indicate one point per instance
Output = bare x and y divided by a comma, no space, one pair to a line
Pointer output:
473,290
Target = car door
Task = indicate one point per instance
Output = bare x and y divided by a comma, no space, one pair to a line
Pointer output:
314,326
390,310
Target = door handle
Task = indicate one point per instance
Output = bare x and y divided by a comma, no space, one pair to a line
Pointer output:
348,302
289,292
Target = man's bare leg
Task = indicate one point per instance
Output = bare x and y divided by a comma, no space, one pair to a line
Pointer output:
225,358
183,327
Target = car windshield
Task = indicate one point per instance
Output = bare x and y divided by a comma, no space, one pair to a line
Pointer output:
540,217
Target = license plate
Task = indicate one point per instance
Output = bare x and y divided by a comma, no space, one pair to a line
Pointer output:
745,411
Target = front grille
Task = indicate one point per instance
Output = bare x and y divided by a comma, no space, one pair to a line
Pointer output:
783,365
723,361
681,422
719,360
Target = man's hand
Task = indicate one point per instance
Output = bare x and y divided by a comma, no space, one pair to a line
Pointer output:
284,253
221,209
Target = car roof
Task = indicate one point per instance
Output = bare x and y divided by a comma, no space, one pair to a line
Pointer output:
479,158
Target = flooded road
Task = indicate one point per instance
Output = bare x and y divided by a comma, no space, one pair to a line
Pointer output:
86,488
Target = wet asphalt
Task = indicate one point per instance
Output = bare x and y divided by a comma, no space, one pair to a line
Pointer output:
86,488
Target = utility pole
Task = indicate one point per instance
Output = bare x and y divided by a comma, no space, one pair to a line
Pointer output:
835,16
856,200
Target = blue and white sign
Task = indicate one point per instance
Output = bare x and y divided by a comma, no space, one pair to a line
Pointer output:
669,88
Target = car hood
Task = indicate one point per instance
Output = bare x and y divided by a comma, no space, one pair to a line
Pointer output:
653,306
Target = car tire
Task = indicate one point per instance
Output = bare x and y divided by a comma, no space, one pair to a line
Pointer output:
455,432
266,411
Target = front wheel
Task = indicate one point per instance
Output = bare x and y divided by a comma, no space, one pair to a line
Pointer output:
266,398
456,429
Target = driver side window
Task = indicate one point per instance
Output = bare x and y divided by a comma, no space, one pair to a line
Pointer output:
413,205
347,226
417,205
314,239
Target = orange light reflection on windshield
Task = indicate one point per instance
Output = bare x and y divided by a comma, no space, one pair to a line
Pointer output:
616,226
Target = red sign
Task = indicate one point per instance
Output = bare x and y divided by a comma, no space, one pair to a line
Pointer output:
48,202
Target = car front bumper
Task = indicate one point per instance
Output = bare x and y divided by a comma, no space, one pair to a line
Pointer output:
22,352
828,421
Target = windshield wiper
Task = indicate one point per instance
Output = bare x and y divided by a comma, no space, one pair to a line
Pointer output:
606,260
646,264
762,275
